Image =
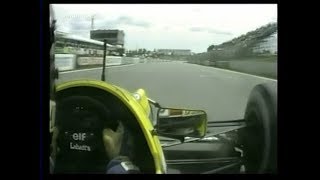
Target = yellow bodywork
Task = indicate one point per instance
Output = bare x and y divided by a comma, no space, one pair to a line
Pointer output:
138,105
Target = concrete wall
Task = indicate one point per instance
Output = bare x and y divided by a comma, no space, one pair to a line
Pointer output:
83,61
110,60
260,68
65,61
113,60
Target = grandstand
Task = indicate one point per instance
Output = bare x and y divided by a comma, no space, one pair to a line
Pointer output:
72,44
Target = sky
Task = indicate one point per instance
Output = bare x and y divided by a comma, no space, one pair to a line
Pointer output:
166,26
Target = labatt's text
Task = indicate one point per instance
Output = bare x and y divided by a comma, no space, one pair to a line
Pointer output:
79,137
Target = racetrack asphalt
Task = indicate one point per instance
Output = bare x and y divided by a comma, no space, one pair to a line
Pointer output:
222,94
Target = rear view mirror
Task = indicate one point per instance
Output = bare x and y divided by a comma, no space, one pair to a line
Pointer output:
181,123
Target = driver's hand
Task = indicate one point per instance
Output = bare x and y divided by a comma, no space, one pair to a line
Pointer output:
113,140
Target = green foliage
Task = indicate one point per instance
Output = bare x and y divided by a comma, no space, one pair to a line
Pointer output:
210,48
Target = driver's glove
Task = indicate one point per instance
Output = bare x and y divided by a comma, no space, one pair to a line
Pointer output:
122,165
113,140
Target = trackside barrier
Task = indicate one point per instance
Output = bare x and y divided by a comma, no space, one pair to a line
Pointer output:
65,62
110,60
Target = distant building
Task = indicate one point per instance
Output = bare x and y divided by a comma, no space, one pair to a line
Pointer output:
267,45
113,36
174,51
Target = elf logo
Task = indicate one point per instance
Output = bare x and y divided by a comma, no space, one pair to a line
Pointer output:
79,136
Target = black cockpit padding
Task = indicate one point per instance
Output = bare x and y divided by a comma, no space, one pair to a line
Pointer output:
80,120
118,112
